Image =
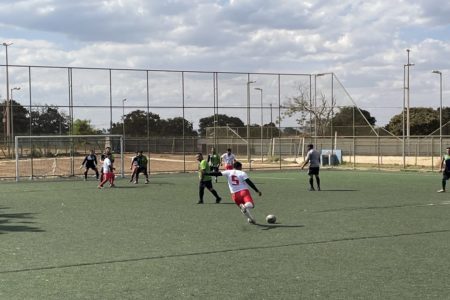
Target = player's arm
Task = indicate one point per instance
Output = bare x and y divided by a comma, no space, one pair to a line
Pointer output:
442,164
304,163
253,186
95,160
214,174
84,161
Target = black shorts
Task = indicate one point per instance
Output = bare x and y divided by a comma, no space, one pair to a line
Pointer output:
91,166
445,175
206,184
142,170
313,170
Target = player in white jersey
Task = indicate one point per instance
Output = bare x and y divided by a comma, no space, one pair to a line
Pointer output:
228,159
238,182
313,158
108,171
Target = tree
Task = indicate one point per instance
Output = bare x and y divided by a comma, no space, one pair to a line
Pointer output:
48,119
423,121
289,131
222,120
83,127
320,108
174,127
136,124
343,120
20,118
271,130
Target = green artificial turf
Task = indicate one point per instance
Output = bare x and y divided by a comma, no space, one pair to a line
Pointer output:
366,235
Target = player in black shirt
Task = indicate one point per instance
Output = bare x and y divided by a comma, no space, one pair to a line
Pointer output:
90,162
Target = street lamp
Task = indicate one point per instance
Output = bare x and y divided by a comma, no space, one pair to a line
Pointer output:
262,123
408,125
8,128
248,122
16,88
123,118
440,105
405,105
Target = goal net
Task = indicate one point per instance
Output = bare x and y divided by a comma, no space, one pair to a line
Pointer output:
61,156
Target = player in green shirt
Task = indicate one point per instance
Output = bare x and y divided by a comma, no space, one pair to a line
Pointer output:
445,169
214,161
205,180
141,160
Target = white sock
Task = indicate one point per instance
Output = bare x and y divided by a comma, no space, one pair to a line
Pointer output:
248,206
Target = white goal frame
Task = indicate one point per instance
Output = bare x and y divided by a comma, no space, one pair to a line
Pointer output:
50,137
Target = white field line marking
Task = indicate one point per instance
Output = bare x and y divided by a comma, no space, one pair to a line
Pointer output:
276,178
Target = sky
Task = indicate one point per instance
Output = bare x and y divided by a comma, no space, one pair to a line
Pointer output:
362,42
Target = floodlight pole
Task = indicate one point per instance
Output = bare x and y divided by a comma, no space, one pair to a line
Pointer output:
440,107
16,88
248,120
262,123
408,124
123,116
406,102
8,128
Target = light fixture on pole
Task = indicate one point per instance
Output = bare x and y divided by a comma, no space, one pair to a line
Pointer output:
8,128
440,107
262,123
123,118
248,121
11,100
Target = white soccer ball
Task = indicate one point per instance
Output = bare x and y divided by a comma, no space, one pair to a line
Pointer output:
271,219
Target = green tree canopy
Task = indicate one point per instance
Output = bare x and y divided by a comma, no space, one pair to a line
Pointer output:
343,121
136,125
49,120
83,127
174,127
20,118
423,121
345,117
222,120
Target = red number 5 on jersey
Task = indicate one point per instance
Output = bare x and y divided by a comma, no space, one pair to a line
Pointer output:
235,180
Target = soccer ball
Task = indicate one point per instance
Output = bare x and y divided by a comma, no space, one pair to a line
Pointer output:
271,219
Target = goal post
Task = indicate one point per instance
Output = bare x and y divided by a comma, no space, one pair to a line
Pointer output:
61,155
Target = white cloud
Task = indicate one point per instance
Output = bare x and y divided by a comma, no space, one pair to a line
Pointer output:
363,42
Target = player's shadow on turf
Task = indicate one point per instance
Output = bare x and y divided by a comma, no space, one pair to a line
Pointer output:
273,226
9,222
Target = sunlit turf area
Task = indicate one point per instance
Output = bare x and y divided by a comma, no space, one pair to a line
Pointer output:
366,235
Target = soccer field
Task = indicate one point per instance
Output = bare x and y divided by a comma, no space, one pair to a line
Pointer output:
367,235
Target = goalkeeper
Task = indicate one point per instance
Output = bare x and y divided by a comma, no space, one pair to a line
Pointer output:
90,162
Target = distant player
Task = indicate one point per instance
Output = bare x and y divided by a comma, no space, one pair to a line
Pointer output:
134,166
214,161
313,158
445,169
108,174
102,158
238,182
141,162
228,159
205,181
90,162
